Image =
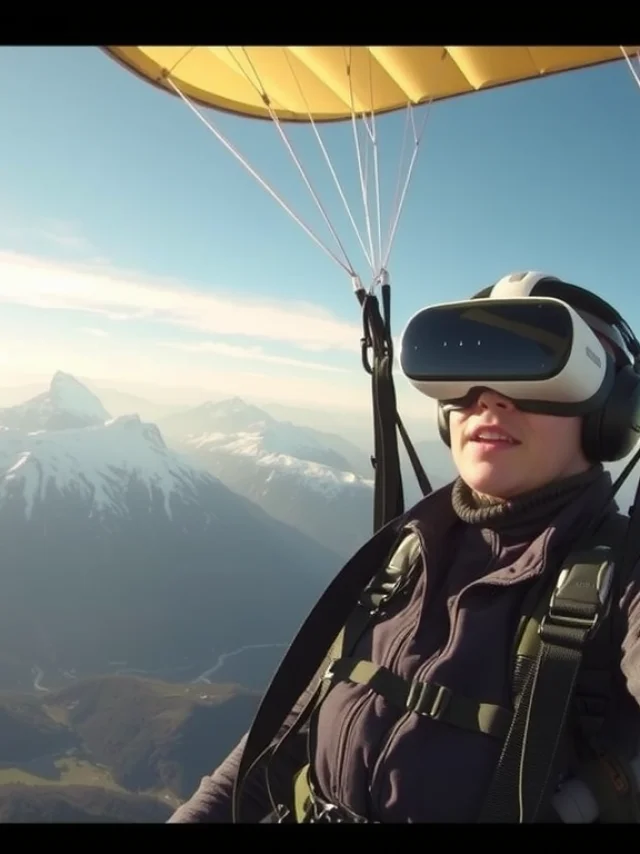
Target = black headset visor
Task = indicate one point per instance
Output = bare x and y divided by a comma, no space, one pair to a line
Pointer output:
536,350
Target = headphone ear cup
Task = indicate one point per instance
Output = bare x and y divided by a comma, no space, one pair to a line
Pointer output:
591,436
443,426
611,433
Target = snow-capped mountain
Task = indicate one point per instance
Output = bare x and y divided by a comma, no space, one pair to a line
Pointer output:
67,403
120,552
97,464
298,475
212,421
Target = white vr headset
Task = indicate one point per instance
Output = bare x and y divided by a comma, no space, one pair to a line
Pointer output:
536,350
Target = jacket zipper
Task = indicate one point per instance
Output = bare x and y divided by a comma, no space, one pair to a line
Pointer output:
393,659
421,674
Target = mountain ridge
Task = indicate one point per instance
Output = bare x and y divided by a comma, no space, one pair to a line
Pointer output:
67,403
298,475
119,548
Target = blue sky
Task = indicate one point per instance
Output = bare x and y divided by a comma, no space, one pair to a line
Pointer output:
135,249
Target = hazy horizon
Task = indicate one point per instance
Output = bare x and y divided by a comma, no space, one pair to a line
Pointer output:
162,400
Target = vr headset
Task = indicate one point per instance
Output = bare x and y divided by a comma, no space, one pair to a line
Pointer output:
536,350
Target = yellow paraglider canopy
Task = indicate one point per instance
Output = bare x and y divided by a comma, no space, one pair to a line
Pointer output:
334,83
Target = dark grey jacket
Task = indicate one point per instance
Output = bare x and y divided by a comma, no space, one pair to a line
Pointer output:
457,628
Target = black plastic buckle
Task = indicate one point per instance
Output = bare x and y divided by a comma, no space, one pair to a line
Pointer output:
580,598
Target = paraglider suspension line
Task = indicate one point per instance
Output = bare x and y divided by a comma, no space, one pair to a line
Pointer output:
376,343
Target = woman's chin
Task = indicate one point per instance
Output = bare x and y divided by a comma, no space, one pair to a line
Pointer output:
493,480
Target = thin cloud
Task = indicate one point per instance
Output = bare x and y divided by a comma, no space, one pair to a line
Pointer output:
127,296
98,333
93,289
65,235
59,233
254,354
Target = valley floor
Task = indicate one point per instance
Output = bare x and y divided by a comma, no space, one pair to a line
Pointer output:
114,748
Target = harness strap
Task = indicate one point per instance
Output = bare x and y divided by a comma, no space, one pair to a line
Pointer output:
388,498
524,776
387,583
302,799
348,635
428,699
388,490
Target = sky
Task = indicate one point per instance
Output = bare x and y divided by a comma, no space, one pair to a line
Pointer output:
136,251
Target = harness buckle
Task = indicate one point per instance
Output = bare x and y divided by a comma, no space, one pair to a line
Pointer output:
580,599
428,698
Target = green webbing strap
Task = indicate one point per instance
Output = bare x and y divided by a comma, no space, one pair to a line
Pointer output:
302,800
347,638
386,584
532,611
294,676
524,778
307,652
424,698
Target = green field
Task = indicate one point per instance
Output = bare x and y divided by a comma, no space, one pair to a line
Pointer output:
68,770
71,771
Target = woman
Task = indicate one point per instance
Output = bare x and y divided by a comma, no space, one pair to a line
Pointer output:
529,484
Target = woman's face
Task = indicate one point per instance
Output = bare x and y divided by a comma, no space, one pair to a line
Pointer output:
534,449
